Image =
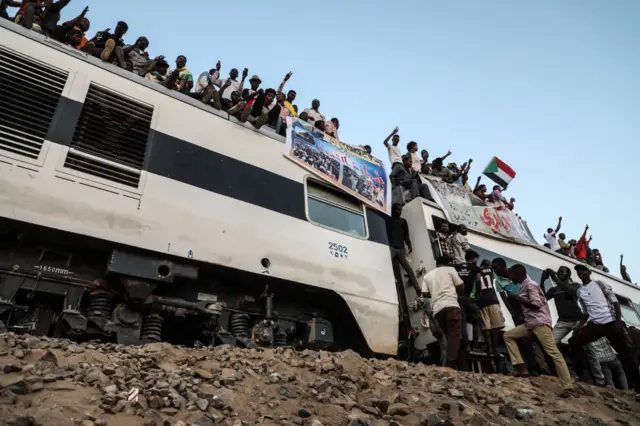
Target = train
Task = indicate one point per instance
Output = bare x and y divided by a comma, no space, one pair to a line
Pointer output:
133,214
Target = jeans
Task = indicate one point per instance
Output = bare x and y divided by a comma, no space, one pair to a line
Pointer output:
399,257
561,330
618,339
545,337
416,188
450,322
614,374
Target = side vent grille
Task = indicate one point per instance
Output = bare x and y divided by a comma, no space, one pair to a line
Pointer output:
29,95
111,137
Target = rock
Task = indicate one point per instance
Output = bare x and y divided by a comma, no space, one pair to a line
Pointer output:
203,373
223,398
203,421
202,404
437,388
95,376
23,421
3,328
142,403
36,386
111,389
495,408
11,368
87,423
455,393
18,353
304,413
524,413
154,418
101,422
162,385
7,397
18,386
398,409
287,392
380,404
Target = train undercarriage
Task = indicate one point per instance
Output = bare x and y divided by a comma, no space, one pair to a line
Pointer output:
66,285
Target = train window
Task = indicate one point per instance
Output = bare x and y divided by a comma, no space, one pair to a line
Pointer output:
331,208
629,314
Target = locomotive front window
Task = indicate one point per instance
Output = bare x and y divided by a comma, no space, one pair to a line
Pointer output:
331,208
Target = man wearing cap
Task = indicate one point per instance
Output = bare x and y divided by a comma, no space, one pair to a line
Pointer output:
314,113
604,320
258,108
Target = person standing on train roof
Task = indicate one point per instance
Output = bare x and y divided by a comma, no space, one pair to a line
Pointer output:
398,235
416,163
537,318
443,285
623,270
551,238
604,320
395,155
569,314
581,246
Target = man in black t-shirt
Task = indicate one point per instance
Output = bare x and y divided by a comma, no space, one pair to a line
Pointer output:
104,43
487,300
469,309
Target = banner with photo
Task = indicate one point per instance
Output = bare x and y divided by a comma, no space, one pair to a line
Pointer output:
461,207
345,166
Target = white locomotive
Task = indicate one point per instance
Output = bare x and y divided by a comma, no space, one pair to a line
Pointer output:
130,213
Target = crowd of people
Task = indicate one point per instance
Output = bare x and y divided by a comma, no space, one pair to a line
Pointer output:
464,290
253,104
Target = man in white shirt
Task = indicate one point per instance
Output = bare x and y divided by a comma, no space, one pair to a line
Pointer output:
416,162
230,85
395,155
551,238
443,285
604,320
314,113
460,244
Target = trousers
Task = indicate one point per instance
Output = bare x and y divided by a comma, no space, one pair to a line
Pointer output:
450,322
561,330
398,258
545,337
614,375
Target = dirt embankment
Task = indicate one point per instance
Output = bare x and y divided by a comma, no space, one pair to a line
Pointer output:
53,382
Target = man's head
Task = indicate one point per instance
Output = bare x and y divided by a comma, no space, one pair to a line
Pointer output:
564,273
562,236
233,74
142,43
295,108
462,229
518,273
406,161
121,29
549,230
181,61
395,140
304,116
396,210
499,189
425,154
315,104
573,242
74,37
444,261
280,97
336,122
412,147
499,266
291,96
162,66
255,82
84,24
269,95
595,251
583,273
236,97
444,226
437,164
320,125
471,256
368,149
482,188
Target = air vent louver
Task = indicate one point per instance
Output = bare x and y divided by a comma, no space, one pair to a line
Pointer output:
110,139
29,95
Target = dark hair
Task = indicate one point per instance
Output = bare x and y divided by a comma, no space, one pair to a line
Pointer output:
581,266
292,91
437,162
443,260
335,120
410,144
518,268
470,254
367,148
406,157
499,261
496,187
423,151
212,70
122,24
270,90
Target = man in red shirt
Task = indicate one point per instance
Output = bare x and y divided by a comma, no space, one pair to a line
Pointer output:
581,245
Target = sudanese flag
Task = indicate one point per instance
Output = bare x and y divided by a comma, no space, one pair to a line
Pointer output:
499,172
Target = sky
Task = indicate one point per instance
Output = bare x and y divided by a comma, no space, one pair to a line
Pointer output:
550,87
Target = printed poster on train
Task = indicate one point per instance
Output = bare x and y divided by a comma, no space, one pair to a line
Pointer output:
345,166
463,208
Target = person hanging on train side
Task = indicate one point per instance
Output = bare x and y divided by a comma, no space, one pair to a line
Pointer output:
398,236
491,318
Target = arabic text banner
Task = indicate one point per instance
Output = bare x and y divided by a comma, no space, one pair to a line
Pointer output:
345,166
462,208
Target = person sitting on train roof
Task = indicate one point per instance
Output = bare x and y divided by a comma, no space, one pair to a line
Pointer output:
581,246
403,175
497,197
623,270
425,166
537,318
180,79
604,319
205,87
79,23
134,56
412,150
442,285
230,85
257,105
331,127
157,70
30,15
51,16
103,44
395,156
563,243
237,104
597,260
4,4
480,191
286,108
398,235
314,112
304,116
438,170
551,238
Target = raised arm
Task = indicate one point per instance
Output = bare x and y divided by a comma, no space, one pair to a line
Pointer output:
245,73
386,141
623,270
446,155
284,81
559,225
570,289
72,23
